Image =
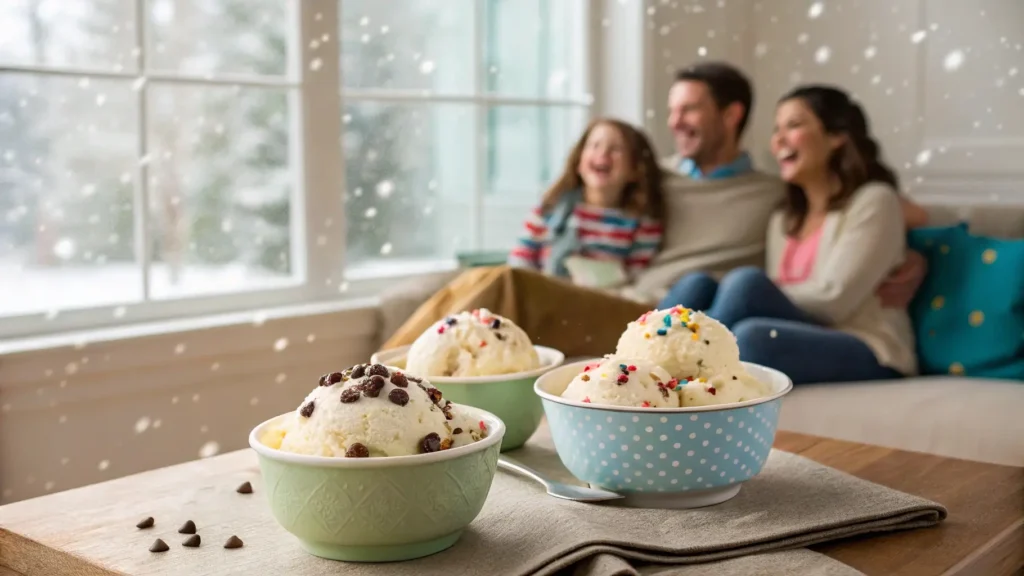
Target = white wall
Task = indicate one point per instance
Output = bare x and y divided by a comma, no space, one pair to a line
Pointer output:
970,118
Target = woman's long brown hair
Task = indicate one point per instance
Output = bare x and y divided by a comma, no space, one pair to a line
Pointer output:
855,163
641,197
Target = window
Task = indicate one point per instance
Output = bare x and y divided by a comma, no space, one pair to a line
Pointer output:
161,158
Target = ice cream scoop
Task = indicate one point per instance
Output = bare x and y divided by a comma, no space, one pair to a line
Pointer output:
474,343
686,343
624,382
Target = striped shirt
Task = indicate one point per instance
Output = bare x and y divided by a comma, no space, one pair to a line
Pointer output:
604,234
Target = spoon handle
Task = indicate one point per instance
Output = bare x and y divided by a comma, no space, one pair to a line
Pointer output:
510,464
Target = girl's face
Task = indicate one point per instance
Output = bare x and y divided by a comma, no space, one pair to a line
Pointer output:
605,162
800,143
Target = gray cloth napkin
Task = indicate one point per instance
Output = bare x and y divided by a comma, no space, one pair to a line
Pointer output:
793,503
799,561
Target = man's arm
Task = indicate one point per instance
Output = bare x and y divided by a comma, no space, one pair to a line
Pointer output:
901,286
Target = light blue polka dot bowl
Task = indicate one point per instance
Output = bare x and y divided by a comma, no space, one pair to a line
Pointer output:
663,457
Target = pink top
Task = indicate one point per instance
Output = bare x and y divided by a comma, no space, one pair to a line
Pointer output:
798,258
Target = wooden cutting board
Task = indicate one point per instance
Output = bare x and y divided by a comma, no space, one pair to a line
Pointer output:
91,530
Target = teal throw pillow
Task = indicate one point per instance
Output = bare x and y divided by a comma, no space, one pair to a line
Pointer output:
969,312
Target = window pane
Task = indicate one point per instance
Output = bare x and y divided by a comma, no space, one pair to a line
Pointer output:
67,162
409,178
221,180
407,44
535,48
526,152
226,36
87,33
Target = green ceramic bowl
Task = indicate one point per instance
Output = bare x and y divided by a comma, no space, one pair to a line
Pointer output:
509,396
379,509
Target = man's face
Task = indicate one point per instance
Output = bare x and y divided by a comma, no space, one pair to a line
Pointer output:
697,124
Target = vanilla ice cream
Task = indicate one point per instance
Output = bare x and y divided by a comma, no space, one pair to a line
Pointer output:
624,382
686,343
477,343
465,430
727,388
368,410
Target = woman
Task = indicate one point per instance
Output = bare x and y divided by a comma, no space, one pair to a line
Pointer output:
816,314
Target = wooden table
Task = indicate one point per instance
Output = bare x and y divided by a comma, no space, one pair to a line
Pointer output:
87,530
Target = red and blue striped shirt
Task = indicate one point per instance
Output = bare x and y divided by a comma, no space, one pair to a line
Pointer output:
604,234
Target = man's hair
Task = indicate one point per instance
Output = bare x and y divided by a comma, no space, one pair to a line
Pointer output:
727,86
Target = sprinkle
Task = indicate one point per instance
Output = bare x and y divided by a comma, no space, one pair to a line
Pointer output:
483,343
585,378
645,404
674,384
711,390
450,321
622,367
667,321
482,425
662,332
440,329
643,318
586,399
702,380
694,337
631,368
647,335
623,378
694,327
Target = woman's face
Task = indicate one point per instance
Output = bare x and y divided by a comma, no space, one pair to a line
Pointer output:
800,143
605,163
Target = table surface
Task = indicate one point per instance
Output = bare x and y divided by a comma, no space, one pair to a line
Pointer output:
982,535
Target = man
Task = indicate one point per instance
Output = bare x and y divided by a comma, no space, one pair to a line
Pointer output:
717,208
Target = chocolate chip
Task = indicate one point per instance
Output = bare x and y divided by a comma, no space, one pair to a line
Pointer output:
434,394
349,395
399,396
147,523
415,379
499,336
707,342
234,542
446,443
189,527
450,321
399,379
373,386
307,410
430,443
457,431
358,371
159,546
495,324
192,542
357,450
331,379
245,488
735,378
379,370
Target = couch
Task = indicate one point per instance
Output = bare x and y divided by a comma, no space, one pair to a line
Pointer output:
970,418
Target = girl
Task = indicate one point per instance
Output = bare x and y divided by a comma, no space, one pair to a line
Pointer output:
816,315
605,207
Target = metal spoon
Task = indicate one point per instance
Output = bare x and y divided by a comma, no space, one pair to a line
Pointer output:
558,489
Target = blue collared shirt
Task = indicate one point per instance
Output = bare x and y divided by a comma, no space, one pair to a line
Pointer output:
738,167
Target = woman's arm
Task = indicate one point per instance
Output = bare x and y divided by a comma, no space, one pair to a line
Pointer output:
526,253
645,246
868,246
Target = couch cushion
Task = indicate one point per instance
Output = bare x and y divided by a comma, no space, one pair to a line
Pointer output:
969,312
967,418
995,220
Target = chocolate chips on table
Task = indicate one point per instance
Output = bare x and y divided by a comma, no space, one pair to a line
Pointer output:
307,410
159,546
349,395
245,488
378,370
146,523
192,542
331,379
399,379
234,542
357,450
189,527
374,385
399,396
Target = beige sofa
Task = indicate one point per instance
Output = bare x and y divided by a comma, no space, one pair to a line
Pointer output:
967,418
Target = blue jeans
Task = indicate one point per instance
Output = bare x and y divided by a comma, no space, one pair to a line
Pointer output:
774,332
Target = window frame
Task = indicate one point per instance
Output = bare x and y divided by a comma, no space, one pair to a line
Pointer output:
317,212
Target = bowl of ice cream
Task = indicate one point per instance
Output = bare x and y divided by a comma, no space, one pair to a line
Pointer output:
375,465
679,423
478,358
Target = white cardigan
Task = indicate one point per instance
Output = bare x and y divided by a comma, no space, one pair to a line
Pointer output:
860,246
